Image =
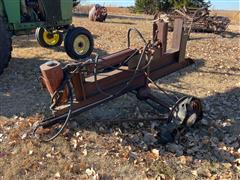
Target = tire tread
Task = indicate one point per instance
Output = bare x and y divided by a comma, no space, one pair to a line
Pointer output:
7,46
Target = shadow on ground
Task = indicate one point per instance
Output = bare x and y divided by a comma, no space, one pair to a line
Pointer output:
202,142
29,41
23,94
111,21
20,91
206,141
229,34
226,34
20,88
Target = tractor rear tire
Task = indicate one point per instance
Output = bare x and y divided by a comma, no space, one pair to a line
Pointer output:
78,43
47,39
5,46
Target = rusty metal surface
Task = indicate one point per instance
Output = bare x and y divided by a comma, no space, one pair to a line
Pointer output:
177,34
79,89
112,59
161,36
52,75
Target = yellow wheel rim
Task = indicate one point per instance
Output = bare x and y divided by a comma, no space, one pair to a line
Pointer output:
81,44
51,39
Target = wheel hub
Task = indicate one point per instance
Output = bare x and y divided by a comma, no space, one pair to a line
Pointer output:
81,44
186,111
51,38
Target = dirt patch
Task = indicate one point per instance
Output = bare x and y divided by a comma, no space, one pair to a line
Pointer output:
116,150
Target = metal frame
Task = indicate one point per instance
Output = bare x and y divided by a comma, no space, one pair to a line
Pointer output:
164,62
131,70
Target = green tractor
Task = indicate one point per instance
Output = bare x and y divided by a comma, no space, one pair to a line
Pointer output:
52,20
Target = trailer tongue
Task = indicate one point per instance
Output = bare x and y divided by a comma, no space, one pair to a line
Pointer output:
81,86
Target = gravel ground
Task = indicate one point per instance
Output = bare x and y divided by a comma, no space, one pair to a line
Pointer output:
113,150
